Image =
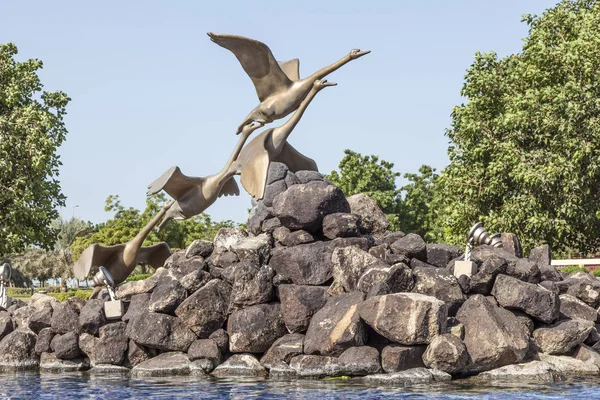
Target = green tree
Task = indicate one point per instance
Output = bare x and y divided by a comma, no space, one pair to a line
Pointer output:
416,212
69,230
31,130
524,154
371,176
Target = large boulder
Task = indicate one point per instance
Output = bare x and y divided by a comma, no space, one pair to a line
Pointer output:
251,285
534,300
21,316
573,308
586,290
541,255
562,337
205,349
304,206
166,364
440,255
483,281
92,317
299,303
336,327
379,280
66,346
226,238
205,311
137,354
6,324
314,366
195,280
283,350
199,247
350,263
441,284
525,270
167,296
446,353
255,329
65,317
410,246
17,351
44,339
405,318
160,331
493,336
359,361
255,250
112,346
372,218
511,244
137,305
397,357
241,365
341,225
40,319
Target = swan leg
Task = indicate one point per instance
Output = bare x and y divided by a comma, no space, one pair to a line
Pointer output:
255,116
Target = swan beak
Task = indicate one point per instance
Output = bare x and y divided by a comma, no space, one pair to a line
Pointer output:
363,53
329,84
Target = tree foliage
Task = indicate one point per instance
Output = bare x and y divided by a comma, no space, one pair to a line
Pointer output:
525,148
416,212
31,130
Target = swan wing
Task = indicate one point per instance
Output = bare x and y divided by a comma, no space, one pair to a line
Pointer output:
94,256
295,160
174,182
291,68
258,62
154,255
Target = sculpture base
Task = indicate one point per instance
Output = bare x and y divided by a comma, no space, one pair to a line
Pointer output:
468,268
113,309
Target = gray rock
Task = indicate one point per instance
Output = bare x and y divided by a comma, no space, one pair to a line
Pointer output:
6,324
199,247
282,371
493,336
341,225
481,253
511,244
306,264
549,273
276,172
201,367
137,306
87,345
350,263
129,289
167,296
17,351
359,361
541,255
160,331
137,354
92,316
304,206
221,338
405,318
269,225
397,357
440,255
531,372
524,319
280,233
586,291
573,308
587,354
562,337
299,303
255,329
441,284
295,238
379,281
107,369
66,346
408,378
187,265
195,280
112,346
166,364
44,338
308,176
525,270
336,327
226,238
313,366
39,301
283,350
205,311
50,363
174,259
569,366
240,365
258,214
205,349
411,246
483,281
272,191
446,353
222,258
372,218
40,319
534,300
22,315
251,286
256,249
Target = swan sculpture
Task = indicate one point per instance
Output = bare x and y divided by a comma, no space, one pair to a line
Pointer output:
193,195
121,259
271,145
277,85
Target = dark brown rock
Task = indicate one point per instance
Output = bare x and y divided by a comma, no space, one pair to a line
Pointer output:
6,324
411,246
17,351
221,338
533,300
446,353
255,329
201,248
160,331
441,284
283,350
137,306
296,238
40,319
65,317
562,337
397,357
350,263
360,361
483,281
92,316
573,308
66,346
44,338
341,225
440,255
251,286
313,366
372,218
137,354
205,349
205,311
299,303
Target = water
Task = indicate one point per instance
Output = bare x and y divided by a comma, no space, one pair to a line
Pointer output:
31,386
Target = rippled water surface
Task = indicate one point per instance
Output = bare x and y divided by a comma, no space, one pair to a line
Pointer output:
84,386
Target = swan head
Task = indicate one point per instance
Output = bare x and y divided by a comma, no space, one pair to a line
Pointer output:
322,83
251,127
357,53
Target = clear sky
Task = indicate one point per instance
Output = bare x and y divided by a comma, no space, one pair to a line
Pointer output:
150,90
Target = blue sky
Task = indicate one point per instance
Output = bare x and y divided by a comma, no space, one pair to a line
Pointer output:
150,90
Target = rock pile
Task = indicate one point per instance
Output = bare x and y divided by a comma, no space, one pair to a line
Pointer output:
318,287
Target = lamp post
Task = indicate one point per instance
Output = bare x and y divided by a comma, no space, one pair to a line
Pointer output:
74,207
5,273
477,236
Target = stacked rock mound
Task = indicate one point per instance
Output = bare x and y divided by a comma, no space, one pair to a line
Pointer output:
316,288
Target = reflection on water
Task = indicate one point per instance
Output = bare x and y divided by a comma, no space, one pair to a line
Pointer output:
47,386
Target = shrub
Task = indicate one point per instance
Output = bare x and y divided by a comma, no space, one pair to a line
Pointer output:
569,269
137,277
